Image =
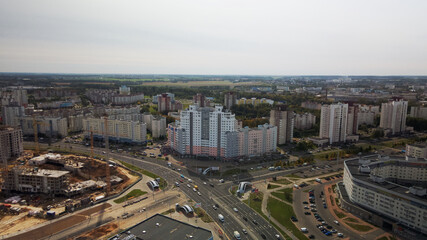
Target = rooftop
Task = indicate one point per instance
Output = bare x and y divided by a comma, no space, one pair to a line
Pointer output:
353,167
43,172
162,227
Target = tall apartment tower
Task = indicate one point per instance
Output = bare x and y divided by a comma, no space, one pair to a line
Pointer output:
230,99
163,102
284,121
352,119
393,115
333,122
11,144
200,100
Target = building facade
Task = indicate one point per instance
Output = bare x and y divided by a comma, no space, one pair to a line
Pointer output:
333,122
304,121
212,132
12,114
118,130
284,121
418,151
380,185
393,115
418,112
230,99
48,126
11,144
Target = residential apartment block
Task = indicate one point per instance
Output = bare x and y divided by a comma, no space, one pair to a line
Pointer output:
212,132
48,126
284,121
230,99
418,151
304,121
11,144
418,112
393,115
333,122
118,130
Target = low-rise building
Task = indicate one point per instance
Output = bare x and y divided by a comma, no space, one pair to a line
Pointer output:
417,150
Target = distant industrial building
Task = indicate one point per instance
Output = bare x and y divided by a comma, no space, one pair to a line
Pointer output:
11,144
284,121
160,226
393,116
387,192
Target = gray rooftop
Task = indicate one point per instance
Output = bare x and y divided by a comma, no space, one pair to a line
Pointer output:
353,167
168,229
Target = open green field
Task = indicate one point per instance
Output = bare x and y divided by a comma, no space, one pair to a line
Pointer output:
133,194
255,203
199,83
284,194
283,212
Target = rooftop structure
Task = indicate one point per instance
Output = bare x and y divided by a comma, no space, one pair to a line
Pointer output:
163,227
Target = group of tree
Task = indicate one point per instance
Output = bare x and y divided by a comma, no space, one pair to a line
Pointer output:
249,111
419,124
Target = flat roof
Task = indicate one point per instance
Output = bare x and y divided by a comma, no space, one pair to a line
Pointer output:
353,167
43,172
167,228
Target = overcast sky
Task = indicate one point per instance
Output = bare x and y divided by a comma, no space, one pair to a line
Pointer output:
299,37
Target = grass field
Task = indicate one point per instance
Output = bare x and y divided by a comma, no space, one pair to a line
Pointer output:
358,227
272,186
283,181
339,214
133,194
255,203
202,215
284,194
283,212
199,83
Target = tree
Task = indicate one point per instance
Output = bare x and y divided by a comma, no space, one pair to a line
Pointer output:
378,133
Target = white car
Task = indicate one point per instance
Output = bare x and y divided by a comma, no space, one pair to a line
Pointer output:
188,185
235,209
336,222
198,193
221,180
194,189
204,183
340,235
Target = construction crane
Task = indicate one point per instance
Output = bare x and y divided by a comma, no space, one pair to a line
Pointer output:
107,170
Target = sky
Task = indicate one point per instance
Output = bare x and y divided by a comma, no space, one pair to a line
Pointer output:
241,37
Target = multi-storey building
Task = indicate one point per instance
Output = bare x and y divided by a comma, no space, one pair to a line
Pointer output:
230,99
284,121
393,115
333,122
11,115
11,145
118,130
311,105
36,180
167,102
210,132
123,90
158,126
15,97
304,121
418,112
48,126
417,150
251,142
200,100
383,190
352,120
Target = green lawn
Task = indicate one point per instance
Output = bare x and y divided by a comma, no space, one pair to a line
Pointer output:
358,227
284,194
283,212
292,176
283,181
233,190
272,186
349,219
339,214
202,215
255,203
133,194
162,182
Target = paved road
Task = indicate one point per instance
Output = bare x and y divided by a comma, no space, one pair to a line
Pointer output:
211,195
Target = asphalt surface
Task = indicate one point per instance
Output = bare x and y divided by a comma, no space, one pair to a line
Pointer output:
219,194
